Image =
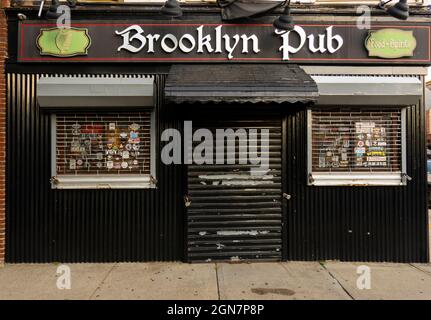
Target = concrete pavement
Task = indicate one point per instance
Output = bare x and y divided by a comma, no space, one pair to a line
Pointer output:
293,280
389,281
284,280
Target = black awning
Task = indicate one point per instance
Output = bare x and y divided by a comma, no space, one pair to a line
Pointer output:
239,83
236,9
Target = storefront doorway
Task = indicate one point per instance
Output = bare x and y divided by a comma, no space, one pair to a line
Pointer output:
234,209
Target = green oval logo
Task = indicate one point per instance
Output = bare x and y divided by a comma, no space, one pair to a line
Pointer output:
390,43
63,42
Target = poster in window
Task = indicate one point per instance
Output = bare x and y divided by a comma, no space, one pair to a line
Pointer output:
370,150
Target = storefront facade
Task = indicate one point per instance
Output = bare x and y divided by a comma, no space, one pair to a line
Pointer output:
100,121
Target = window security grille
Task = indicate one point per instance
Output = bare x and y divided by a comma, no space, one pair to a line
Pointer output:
103,143
356,141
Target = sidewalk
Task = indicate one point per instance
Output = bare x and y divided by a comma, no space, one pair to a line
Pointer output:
284,280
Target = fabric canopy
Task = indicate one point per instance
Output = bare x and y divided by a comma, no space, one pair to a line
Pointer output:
236,9
239,83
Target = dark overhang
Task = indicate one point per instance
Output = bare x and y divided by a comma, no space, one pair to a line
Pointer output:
240,83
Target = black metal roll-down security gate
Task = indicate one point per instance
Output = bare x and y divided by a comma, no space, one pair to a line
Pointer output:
234,210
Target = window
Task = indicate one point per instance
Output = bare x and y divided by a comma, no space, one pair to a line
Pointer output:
356,146
103,150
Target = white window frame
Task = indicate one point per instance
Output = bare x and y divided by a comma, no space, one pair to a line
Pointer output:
357,178
103,181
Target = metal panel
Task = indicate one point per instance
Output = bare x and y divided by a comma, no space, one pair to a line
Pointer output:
95,91
368,90
365,70
45,225
357,223
234,214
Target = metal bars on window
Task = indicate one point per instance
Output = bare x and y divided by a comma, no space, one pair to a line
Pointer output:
108,143
357,142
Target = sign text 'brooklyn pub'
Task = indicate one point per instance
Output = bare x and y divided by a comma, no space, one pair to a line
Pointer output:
152,41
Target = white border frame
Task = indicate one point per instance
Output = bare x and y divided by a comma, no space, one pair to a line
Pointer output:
103,181
357,178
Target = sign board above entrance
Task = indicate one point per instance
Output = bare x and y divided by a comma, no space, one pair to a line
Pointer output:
185,41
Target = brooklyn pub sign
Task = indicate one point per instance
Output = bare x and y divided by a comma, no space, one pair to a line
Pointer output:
185,41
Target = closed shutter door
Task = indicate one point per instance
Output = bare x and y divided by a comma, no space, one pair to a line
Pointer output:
232,213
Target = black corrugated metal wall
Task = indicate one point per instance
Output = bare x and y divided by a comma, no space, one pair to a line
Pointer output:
357,223
46,225
346,223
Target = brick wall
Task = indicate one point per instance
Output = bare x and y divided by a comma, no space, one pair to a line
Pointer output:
3,52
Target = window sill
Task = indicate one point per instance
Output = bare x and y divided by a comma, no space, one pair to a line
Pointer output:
356,179
103,182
